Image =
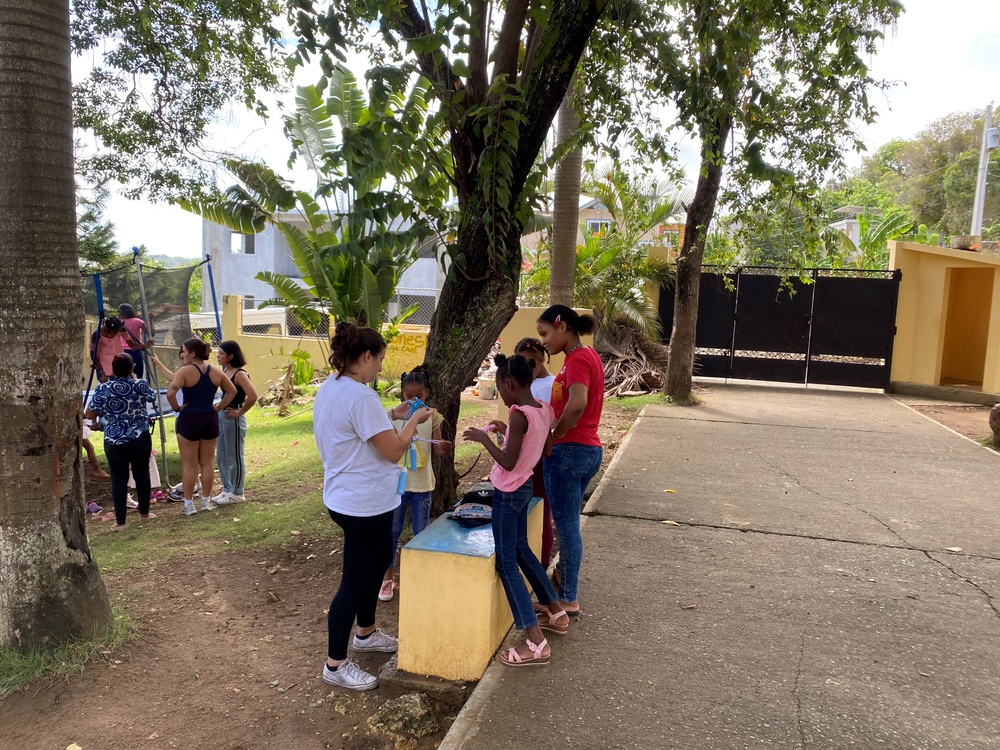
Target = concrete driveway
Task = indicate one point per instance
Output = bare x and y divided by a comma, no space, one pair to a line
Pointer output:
830,584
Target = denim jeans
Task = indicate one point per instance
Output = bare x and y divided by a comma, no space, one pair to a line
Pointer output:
510,538
568,471
229,453
419,504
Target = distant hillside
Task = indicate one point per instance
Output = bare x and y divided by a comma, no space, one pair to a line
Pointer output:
170,261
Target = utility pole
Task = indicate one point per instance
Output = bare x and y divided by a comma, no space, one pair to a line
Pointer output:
989,142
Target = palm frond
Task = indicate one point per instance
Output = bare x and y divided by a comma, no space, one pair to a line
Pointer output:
311,128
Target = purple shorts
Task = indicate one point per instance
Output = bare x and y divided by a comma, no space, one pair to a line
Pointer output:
199,425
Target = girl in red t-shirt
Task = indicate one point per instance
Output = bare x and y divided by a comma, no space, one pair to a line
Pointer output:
577,398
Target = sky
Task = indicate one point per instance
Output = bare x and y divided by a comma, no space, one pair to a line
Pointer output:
941,58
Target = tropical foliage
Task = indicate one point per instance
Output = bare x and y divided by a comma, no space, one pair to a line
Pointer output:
155,77
613,269
772,93
95,235
872,250
362,226
498,71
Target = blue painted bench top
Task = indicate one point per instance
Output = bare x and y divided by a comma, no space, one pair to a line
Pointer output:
444,535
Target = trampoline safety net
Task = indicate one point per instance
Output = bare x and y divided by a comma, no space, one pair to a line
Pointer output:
166,299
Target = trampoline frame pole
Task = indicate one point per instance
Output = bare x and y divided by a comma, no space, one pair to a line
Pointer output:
215,301
100,321
152,371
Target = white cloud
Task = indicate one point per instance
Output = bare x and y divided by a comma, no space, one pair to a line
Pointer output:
943,58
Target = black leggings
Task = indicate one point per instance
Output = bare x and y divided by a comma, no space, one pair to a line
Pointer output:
367,554
120,458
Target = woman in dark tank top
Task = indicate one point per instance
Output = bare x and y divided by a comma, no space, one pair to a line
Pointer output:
197,419
233,425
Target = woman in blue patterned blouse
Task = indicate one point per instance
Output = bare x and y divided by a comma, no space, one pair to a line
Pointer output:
121,404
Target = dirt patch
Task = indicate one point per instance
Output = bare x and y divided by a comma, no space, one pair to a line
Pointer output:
970,420
229,656
230,651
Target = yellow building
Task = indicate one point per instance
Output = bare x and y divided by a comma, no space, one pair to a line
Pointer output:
947,319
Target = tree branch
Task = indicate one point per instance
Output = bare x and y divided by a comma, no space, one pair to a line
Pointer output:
434,65
560,49
534,37
477,53
505,53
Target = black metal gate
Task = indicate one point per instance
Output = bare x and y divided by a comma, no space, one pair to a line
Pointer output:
835,328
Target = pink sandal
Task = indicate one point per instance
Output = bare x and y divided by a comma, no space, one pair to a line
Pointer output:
511,658
547,622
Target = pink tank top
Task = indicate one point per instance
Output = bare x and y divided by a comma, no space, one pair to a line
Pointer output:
539,423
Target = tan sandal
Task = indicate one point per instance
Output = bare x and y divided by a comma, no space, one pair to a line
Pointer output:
547,622
511,658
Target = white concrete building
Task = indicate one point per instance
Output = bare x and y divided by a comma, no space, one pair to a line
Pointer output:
238,258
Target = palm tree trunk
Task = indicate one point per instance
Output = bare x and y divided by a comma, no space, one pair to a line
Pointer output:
566,206
688,285
50,588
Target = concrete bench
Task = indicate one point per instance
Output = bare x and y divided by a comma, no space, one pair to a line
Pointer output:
453,612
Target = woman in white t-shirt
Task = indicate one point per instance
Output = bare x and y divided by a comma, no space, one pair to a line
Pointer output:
360,450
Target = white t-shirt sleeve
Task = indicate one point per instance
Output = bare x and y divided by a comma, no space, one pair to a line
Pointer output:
368,416
541,388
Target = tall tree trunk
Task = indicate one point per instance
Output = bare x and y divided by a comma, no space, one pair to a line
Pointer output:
682,339
566,206
50,588
479,298
469,317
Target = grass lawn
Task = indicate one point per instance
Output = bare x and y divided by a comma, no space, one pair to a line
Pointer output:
284,487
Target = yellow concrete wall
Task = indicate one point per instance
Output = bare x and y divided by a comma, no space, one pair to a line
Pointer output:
453,612
922,311
268,354
970,293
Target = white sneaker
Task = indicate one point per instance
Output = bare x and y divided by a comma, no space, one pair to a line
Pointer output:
227,498
349,675
234,498
377,641
189,509
221,499
207,504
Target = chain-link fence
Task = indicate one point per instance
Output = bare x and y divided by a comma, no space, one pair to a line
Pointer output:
426,303
295,326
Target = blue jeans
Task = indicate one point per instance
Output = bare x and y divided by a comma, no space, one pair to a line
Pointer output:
510,538
419,504
567,472
229,453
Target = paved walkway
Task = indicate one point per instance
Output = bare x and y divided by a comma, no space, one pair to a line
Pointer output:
808,597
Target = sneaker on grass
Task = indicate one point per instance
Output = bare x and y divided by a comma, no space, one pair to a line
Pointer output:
189,509
377,641
349,675
207,504
221,498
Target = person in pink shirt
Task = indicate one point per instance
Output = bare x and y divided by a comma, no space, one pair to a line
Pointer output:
135,327
527,438
105,344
